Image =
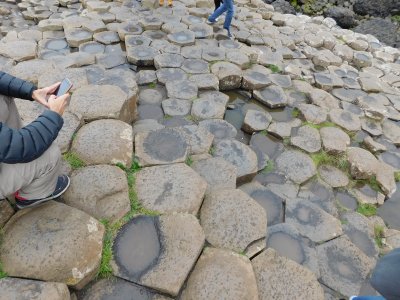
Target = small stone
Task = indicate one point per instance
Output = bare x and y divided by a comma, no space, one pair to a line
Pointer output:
106,37
283,129
312,113
333,176
229,75
363,164
205,81
296,165
165,75
323,99
6,211
362,59
273,271
272,96
254,79
255,120
373,146
345,119
392,131
141,55
371,126
198,138
176,107
325,58
167,60
18,50
182,38
219,128
385,178
78,36
306,138
184,89
206,108
334,140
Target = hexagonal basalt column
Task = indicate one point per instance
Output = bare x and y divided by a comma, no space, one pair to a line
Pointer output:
141,55
201,31
167,60
272,96
182,38
163,146
229,75
103,101
296,165
18,50
104,142
170,74
106,37
136,40
184,89
195,66
78,36
129,28
162,188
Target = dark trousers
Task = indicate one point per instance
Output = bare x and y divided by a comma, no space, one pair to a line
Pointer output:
217,3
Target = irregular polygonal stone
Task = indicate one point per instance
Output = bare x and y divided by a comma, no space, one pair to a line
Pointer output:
272,96
219,128
31,70
286,240
146,125
195,66
333,176
182,38
129,28
101,191
345,119
162,188
311,221
240,155
306,138
198,138
325,58
56,233
201,31
323,99
15,288
312,113
334,140
104,142
221,270
176,107
137,40
232,220
151,23
256,120
106,37
273,271
229,75
254,79
392,131
343,266
272,203
283,81
366,195
151,96
78,36
207,108
283,129
170,74
141,55
363,164
348,95
18,50
144,77
103,101
184,89
218,173
296,165
362,59
371,126
238,58
205,81
212,54
385,178
162,266
167,60
162,146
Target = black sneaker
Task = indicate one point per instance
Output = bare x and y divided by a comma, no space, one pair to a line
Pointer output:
63,183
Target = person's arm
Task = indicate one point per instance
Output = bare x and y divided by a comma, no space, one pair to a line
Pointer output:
15,87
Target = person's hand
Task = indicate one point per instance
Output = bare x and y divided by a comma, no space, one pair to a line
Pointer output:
42,95
58,104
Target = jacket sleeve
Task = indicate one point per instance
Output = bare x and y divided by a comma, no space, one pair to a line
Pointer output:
30,142
15,87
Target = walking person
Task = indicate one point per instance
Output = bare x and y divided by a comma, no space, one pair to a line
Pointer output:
30,163
228,7
217,4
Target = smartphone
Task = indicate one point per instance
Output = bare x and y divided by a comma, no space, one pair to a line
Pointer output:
64,87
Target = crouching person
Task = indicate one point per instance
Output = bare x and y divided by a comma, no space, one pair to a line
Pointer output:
29,161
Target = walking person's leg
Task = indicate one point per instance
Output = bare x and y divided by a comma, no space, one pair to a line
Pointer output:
217,4
219,11
229,15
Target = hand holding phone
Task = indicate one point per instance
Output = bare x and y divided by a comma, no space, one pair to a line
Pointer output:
64,87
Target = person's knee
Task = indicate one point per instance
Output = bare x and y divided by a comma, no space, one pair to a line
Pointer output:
52,155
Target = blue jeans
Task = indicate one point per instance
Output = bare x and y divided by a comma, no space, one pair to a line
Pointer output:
228,7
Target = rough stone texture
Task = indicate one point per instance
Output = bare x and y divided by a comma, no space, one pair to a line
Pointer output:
238,154
272,96
104,142
221,274
345,119
18,50
219,128
101,191
217,172
392,131
362,163
15,288
173,264
311,221
306,138
120,289
343,266
56,233
162,188
231,219
6,211
298,166
333,176
206,108
256,120
273,272
229,75
334,140
184,89
161,146
198,138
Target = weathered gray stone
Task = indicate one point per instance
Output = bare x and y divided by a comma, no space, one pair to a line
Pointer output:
311,221
344,119
106,37
256,120
334,140
170,74
161,146
15,288
232,220
296,165
312,113
165,266
56,233
323,99
373,146
176,107
273,271
205,81
343,266
146,77
325,58
366,195
78,36
371,126
104,101
182,38
6,211
101,191
183,89
306,138
333,176
363,164
218,173
221,270
152,96
240,155
104,142
208,108
272,96
392,131
129,28
198,139
141,55
256,78
167,60
362,59
162,188
229,75
283,129
18,50
385,178
31,70
195,66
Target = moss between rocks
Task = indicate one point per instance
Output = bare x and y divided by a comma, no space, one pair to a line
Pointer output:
379,235
397,176
396,18
74,161
367,210
2,273
338,161
269,167
274,68
111,229
319,126
189,160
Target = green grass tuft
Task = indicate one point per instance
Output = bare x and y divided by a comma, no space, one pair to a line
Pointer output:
152,85
274,68
295,113
396,18
269,167
319,126
372,182
167,117
379,235
367,210
324,158
2,273
189,160
212,150
74,161
397,176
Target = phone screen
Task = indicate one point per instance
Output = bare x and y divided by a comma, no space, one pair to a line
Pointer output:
64,87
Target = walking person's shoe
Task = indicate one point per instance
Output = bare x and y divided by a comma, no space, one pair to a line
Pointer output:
209,22
170,4
161,3
63,183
